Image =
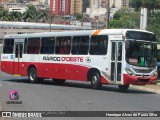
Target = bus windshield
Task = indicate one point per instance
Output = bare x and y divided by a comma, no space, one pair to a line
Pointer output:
140,53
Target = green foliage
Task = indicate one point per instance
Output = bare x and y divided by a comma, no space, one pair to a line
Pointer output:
125,18
150,4
78,16
154,23
136,4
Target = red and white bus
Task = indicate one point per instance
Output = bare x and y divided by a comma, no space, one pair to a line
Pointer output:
110,56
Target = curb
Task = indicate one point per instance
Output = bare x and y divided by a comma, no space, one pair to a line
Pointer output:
146,89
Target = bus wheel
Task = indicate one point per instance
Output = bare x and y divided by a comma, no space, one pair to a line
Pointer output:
58,81
123,88
32,75
96,81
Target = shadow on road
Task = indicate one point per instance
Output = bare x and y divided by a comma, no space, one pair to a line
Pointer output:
85,85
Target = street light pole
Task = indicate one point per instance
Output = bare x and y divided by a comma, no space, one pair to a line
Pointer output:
82,14
108,14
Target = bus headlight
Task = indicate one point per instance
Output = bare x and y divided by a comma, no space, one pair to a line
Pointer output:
129,72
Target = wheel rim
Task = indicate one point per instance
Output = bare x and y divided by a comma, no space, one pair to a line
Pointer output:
32,75
94,80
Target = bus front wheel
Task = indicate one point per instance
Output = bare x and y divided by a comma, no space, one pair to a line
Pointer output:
123,88
32,75
96,81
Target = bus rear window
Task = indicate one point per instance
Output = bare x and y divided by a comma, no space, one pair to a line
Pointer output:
8,46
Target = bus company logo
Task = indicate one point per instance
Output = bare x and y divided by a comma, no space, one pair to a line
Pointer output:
88,59
63,59
11,57
13,94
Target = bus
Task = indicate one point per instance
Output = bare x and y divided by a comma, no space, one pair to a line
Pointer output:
110,56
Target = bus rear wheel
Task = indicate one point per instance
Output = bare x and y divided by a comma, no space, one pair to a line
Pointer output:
32,76
96,81
123,88
58,81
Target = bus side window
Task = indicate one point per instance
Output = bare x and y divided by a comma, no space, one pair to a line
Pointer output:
47,45
8,46
80,45
25,46
63,45
33,45
99,45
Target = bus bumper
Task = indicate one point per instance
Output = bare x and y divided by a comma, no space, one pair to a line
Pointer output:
134,80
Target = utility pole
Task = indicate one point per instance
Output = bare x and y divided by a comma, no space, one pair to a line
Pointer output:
82,14
106,4
108,13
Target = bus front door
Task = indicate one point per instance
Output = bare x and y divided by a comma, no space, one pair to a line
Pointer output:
116,61
18,58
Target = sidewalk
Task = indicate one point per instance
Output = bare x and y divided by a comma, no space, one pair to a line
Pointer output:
150,88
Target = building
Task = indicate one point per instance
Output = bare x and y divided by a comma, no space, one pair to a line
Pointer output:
85,5
125,3
18,9
60,7
98,7
117,3
76,6
95,8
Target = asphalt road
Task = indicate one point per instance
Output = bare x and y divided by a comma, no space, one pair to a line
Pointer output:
73,96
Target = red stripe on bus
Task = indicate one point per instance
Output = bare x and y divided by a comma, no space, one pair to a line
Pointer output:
50,70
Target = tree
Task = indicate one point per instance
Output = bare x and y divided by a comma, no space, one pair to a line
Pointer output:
15,16
79,16
44,16
31,15
154,24
150,4
137,4
4,15
125,18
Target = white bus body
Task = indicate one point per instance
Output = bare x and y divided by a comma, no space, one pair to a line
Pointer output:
105,56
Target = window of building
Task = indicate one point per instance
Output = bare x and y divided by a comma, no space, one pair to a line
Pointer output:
33,45
80,45
98,45
8,46
63,45
47,45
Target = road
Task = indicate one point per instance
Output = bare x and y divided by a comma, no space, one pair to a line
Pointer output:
73,96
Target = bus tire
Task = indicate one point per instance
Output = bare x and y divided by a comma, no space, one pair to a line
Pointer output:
96,81
58,81
123,88
32,76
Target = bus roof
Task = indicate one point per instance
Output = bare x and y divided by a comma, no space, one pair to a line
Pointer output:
75,33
